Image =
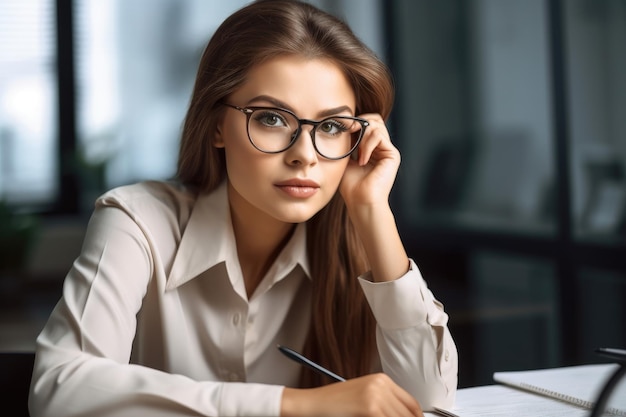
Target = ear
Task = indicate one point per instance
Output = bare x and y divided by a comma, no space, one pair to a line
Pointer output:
218,139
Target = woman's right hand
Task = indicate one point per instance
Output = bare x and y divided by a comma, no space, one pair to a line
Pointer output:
373,395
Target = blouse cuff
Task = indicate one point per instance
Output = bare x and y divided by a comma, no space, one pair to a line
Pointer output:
250,399
402,303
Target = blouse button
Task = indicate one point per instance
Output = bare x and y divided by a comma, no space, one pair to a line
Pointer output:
236,319
447,356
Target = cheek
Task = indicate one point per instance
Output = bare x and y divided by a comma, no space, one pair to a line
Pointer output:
238,150
240,163
232,132
246,166
336,170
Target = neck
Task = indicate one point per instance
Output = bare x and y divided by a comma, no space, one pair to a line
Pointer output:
260,239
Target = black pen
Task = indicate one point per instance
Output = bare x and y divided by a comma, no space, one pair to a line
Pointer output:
293,355
618,355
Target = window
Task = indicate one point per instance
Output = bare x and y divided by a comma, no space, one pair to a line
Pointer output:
28,102
135,64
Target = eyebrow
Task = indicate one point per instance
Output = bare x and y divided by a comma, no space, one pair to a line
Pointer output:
278,103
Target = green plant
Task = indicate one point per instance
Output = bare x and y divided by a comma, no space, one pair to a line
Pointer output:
17,234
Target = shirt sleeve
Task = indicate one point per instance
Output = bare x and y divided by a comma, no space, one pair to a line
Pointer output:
415,346
83,353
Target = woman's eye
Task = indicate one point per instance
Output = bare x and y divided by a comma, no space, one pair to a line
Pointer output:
271,120
332,127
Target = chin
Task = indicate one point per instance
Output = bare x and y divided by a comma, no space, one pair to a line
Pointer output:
294,219
296,215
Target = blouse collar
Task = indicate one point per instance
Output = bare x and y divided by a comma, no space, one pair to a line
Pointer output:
208,239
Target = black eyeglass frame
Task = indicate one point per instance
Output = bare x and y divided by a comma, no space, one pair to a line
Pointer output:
315,123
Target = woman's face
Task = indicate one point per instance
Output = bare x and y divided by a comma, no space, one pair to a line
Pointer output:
293,185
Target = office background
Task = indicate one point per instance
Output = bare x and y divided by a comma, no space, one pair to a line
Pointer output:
509,115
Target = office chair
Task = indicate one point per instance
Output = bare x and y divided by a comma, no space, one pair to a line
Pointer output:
16,369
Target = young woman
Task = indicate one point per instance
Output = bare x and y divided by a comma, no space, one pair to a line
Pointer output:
277,231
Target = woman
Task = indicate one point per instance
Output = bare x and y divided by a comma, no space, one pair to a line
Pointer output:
277,231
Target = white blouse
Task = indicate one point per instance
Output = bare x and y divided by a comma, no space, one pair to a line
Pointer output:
155,320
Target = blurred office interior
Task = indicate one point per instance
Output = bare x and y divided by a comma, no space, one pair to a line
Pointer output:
510,116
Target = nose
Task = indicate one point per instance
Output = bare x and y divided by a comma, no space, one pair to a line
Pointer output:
302,152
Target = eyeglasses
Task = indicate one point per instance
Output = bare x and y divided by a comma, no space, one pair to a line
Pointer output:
274,130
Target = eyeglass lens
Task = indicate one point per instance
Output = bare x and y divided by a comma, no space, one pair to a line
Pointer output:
273,130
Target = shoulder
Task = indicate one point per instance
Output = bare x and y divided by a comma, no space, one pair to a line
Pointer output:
157,211
150,198
158,208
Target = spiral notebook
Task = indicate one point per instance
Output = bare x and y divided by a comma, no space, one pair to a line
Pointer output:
576,385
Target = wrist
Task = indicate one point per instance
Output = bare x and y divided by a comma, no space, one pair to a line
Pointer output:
293,403
376,227
365,214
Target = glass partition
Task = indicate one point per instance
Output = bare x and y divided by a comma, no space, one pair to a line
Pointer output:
595,36
473,116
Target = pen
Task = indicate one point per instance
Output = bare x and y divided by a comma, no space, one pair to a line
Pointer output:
444,413
618,355
295,356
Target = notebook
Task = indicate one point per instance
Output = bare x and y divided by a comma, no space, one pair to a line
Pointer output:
504,401
576,385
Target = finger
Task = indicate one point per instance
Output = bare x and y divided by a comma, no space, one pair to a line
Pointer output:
399,402
403,405
376,124
377,137
411,405
398,409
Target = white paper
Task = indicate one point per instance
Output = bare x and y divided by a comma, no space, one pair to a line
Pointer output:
575,384
582,382
504,401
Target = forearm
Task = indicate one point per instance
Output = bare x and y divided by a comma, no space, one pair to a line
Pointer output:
413,340
68,382
376,227
427,351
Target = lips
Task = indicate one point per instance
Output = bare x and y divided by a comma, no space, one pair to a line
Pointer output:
298,188
297,182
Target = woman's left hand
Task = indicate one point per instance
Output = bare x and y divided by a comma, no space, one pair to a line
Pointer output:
368,179
365,187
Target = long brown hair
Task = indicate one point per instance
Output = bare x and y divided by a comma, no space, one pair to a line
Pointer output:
341,335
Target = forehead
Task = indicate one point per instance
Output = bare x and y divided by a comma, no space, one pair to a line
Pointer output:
307,86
